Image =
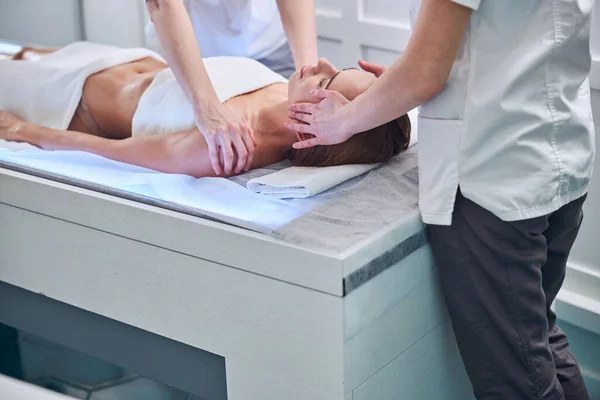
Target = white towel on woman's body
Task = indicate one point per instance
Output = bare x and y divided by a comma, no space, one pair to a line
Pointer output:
303,182
164,107
47,92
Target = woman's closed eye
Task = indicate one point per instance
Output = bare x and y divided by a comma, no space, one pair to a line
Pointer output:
321,82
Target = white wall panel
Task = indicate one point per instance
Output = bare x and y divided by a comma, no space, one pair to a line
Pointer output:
329,6
40,22
393,12
377,30
379,55
334,49
596,31
115,22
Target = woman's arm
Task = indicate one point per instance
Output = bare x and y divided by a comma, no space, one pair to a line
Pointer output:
227,134
416,76
299,22
178,153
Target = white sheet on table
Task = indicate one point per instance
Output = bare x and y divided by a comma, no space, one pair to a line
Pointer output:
214,196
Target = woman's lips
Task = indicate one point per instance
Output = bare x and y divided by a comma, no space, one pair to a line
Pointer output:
303,70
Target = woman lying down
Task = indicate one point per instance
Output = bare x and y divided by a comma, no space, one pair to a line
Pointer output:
125,105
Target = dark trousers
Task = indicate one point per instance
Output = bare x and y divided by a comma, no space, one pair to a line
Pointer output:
499,280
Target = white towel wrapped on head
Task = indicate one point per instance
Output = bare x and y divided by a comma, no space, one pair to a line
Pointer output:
302,182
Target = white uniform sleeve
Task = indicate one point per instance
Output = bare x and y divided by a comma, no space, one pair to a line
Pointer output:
474,4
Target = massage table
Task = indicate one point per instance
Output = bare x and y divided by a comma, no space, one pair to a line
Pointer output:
220,311
329,298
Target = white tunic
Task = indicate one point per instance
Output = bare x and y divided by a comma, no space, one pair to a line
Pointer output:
513,126
243,28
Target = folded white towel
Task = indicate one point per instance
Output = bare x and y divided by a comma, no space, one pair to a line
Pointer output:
302,182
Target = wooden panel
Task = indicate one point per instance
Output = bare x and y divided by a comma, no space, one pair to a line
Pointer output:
287,331
431,369
390,314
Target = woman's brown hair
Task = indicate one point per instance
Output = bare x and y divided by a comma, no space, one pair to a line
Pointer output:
377,145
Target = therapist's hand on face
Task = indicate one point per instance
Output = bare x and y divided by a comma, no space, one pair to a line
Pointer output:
325,120
373,68
329,120
229,139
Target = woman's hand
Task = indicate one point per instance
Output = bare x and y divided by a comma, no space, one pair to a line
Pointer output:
229,138
10,126
326,120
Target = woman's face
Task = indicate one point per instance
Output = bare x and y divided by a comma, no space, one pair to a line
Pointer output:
350,83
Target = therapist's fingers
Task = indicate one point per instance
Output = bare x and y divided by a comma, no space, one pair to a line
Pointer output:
373,68
227,153
240,151
252,134
326,94
330,99
307,108
303,117
305,144
214,154
299,127
251,146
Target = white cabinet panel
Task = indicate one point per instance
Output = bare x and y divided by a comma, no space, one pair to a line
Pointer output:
596,31
329,6
41,22
333,50
374,29
387,11
378,55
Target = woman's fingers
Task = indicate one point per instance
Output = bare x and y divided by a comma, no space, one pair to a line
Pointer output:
305,144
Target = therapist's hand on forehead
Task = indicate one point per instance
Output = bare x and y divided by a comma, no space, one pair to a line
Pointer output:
415,77
229,137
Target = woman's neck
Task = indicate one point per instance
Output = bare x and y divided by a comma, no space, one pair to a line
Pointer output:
268,123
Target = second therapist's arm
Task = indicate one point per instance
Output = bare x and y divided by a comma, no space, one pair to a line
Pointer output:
226,133
299,23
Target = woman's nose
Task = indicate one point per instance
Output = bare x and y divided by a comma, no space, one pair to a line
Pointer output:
323,65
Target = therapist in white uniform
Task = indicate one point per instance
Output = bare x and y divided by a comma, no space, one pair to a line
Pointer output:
506,148
184,31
